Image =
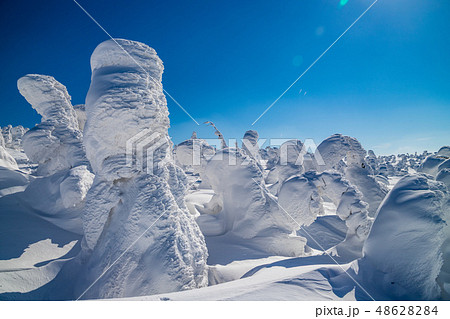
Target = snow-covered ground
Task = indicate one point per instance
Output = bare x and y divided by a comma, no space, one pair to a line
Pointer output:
80,220
284,280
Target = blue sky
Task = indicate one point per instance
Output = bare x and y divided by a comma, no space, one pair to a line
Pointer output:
386,82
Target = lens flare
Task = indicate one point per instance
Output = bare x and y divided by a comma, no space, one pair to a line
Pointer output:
343,2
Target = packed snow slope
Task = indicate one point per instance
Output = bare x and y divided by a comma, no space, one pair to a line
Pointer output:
96,203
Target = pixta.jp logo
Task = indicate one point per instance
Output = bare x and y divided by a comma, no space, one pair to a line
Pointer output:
147,151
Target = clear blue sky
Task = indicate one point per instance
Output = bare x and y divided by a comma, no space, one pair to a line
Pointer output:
386,82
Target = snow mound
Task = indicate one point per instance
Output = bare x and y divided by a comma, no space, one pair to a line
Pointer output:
402,255
444,177
56,145
134,220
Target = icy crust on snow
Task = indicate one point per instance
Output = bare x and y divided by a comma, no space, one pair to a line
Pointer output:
125,97
402,254
242,207
56,143
303,198
132,213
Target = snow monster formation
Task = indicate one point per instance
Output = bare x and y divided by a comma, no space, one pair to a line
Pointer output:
346,155
12,136
139,238
242,211
289,164
443,174
250,145
403,254
303,198
6,160
56,145
438,165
